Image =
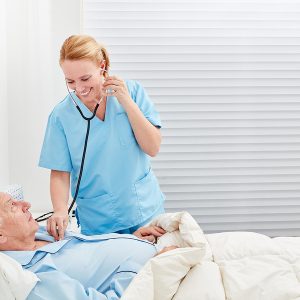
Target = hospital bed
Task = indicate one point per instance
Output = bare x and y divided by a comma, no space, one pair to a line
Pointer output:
220,266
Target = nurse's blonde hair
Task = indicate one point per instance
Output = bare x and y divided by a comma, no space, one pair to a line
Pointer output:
77,47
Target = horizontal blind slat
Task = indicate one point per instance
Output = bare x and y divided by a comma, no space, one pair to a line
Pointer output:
225,78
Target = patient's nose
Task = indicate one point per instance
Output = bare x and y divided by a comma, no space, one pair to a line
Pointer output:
25,205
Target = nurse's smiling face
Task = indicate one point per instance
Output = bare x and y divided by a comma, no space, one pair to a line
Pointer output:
85,77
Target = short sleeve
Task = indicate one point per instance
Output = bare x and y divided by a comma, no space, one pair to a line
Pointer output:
55,153
140,96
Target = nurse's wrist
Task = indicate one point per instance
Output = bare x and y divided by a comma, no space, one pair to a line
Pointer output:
61,210
128,103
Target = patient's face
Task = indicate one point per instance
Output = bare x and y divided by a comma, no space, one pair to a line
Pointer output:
15,219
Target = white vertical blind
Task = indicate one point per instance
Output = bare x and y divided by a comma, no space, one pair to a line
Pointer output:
224,76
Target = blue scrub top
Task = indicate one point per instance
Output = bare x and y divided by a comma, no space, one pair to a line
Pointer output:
118,189
84,267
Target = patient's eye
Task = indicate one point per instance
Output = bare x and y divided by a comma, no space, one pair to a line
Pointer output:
13,207
86,79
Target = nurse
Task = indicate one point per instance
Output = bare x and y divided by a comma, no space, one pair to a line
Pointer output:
118,191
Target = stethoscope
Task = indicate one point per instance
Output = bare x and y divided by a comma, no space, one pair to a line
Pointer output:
46,216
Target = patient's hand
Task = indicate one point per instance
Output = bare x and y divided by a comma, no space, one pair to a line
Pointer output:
165,249
149,233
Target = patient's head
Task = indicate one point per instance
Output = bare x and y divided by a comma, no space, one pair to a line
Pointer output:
16,223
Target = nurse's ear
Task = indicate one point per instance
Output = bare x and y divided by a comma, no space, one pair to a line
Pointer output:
102,67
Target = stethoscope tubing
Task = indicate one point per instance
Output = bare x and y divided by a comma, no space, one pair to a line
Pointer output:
46,216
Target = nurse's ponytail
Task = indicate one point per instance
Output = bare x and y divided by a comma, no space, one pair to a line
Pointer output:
78,47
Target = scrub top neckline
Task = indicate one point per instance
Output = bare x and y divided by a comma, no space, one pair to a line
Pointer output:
87,112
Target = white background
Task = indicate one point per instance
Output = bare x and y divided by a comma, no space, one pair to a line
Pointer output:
31,84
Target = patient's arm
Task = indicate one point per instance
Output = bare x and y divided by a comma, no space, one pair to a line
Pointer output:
149,233
57,285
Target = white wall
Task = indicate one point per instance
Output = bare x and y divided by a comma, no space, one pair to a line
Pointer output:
35,31
4,167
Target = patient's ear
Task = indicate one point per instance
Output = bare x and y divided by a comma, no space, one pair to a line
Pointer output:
3,238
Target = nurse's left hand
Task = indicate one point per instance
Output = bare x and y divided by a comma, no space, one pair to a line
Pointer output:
149,233
118,89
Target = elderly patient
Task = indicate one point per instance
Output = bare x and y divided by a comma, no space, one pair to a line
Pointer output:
77,267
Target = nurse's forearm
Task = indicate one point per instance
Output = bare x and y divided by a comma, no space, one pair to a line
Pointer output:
147,135
59,190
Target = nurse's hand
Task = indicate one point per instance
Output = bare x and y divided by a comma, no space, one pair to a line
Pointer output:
57,224
149,233
117,88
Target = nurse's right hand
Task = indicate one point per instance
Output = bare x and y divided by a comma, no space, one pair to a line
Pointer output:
57,224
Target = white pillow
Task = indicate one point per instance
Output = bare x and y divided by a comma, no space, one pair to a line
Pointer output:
15,283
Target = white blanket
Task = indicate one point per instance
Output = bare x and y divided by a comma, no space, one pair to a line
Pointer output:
173,274
221,266
256,267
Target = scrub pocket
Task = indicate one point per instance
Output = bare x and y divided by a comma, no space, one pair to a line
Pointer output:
96,215
126,135
149,195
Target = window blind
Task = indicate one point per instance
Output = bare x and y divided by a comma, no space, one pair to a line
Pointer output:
224,76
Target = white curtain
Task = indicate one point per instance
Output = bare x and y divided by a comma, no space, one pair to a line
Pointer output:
34,32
